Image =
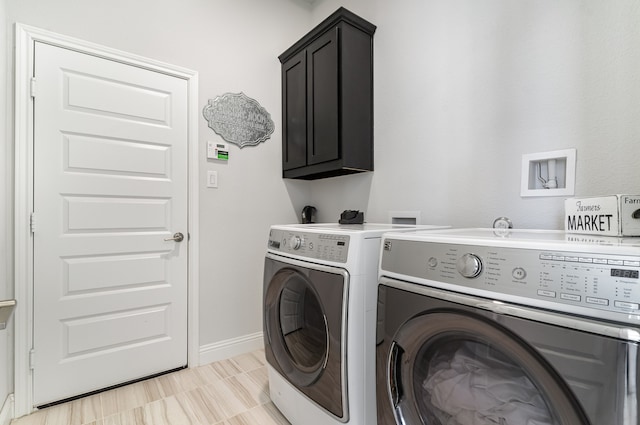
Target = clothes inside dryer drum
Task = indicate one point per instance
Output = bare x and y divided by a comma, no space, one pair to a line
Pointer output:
477,386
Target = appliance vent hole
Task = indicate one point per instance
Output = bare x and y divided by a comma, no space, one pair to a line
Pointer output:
403,220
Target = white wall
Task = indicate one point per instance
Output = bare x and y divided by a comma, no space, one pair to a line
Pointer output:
464,88
233,45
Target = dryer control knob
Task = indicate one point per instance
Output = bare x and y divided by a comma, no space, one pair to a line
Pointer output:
296,242
469,265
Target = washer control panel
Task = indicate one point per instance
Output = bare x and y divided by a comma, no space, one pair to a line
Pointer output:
319,246
596,281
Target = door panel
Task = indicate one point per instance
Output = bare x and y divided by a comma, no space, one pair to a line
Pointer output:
115,157
144,104
294,83
323,122
110,214
110,184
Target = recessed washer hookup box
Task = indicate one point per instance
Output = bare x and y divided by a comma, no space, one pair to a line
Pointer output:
613,215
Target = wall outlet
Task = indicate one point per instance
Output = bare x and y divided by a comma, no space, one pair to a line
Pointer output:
549,173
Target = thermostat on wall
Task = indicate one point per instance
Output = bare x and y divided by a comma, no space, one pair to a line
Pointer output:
218,151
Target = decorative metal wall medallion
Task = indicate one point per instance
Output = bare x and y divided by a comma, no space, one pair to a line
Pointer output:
238,119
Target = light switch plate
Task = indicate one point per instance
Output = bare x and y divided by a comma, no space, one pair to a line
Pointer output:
212,179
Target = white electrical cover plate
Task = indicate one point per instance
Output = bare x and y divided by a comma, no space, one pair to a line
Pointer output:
212,179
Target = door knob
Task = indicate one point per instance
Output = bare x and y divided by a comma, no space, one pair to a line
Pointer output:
178,237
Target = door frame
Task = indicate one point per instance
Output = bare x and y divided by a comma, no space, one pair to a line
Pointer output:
25,38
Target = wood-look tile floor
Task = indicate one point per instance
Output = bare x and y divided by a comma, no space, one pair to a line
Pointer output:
229,392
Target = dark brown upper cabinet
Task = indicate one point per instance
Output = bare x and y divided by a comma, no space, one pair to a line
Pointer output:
327,100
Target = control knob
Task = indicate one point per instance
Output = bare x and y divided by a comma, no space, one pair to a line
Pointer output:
469,265
296,242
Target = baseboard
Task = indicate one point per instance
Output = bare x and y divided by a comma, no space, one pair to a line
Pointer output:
6,413
229,348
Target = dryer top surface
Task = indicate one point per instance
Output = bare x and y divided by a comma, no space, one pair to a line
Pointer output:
524,238
360,230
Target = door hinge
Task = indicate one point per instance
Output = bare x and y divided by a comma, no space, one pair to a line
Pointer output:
32,359
33,87
32,222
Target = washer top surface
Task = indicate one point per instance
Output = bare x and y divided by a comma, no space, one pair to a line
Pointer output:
524,238
365,229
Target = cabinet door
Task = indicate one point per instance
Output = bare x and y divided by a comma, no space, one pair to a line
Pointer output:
323,143
294,95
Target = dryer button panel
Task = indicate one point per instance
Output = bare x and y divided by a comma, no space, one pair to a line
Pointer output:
319,246
566,281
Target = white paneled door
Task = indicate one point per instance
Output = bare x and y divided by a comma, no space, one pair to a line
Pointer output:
110,191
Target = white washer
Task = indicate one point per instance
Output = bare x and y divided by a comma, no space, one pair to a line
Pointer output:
320,294
510,327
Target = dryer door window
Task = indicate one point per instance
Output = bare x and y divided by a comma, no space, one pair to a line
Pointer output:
304,324
461,368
